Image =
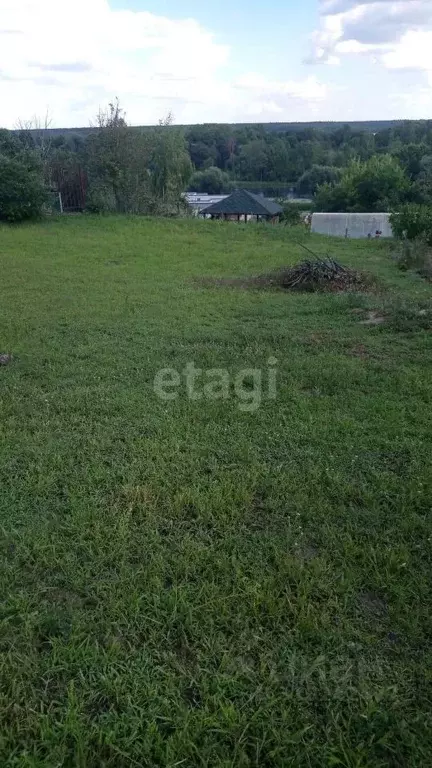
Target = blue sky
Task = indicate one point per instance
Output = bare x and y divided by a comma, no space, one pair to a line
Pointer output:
252,29
216,61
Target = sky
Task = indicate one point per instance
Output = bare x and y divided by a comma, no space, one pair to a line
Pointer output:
215,60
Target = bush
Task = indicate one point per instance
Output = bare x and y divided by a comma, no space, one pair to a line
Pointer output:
412,221
213,181
302,205
414,255
406,317
309,182
411,254
376,185
100,198
23,193
291,214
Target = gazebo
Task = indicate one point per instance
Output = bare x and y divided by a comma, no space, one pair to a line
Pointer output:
242,205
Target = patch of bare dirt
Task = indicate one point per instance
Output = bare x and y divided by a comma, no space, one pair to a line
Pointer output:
373,318
307,552
372,604
312,391
359,350
315,339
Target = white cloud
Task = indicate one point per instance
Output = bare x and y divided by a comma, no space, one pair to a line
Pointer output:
309,89
413,51
272,99
71,59
388,29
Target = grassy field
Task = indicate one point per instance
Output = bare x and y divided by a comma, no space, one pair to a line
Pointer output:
185,583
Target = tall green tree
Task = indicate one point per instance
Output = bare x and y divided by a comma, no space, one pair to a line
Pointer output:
252,161
376,185
117,158
23,192
170,162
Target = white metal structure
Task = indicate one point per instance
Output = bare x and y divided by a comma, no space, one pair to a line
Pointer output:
354,225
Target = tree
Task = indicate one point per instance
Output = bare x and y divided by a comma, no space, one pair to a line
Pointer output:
252,162
378,184
117,159
410,157
135,171
278,161
35,134
10,143
22,189
309,181
170,163
202,155
332,198
422,187
213,181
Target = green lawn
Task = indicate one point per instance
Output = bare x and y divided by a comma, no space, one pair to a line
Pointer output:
185,583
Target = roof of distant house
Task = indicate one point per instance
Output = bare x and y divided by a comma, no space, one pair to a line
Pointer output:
241,201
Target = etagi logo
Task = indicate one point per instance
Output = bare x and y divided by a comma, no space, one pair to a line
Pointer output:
250,386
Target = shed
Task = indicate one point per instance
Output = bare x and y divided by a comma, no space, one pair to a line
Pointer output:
242,205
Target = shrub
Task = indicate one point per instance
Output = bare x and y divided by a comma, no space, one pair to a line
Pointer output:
100,198
413,221
375,185
414,255
23,193
309,182
213,181
411,254
302,205
291,214
406,317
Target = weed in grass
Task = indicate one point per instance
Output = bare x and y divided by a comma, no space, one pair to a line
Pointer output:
414,255
407,316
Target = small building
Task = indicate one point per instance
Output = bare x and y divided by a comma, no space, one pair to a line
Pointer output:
242,205
353,225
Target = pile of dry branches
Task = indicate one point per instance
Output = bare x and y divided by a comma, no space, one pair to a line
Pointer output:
319,274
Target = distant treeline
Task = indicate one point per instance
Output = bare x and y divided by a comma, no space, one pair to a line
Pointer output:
371,126
344,166
284,152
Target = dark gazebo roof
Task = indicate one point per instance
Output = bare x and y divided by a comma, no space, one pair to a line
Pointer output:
241,201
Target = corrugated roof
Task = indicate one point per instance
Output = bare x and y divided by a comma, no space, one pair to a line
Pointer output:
241,201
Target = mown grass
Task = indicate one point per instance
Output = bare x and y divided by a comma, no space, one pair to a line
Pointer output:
188,584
